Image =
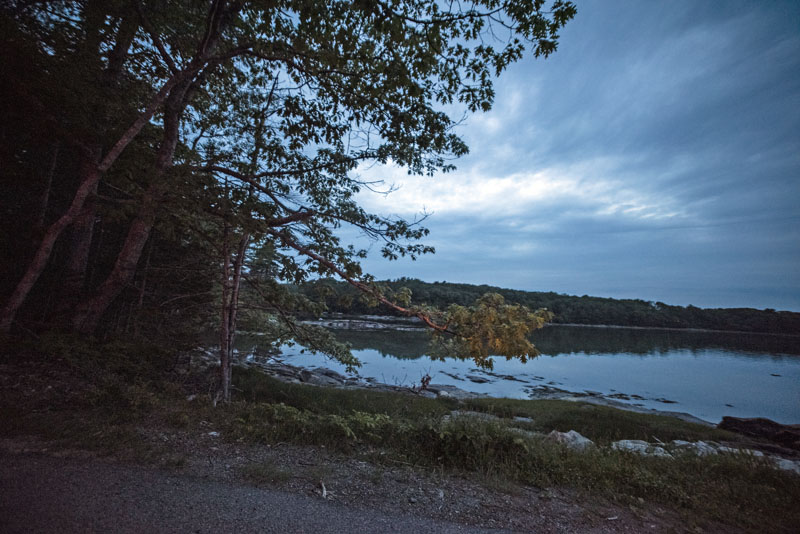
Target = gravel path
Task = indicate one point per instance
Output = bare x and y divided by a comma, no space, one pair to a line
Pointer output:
41,493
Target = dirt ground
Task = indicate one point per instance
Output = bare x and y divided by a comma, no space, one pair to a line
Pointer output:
371,484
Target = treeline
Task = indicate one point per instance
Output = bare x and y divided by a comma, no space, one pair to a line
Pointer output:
568,309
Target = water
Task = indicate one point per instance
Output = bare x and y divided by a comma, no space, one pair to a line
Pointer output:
706,374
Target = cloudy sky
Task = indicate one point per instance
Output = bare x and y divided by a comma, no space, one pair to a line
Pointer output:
656,155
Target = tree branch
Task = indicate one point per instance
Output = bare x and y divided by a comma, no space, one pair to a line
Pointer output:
155,38
361,286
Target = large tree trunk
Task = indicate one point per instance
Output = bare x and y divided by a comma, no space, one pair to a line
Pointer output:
44,198
42,255
90,312
90,180
80,242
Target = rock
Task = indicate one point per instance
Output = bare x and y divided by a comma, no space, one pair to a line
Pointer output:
443,390
452,375
477,379
666,401
572,440
640,447
330,373
785,464
700,448
521,419
318,379
785,435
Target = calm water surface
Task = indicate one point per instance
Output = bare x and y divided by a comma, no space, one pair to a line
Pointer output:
706,374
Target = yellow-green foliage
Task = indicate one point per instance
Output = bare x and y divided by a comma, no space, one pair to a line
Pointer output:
491,328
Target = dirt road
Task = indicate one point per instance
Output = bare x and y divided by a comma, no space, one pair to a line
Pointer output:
40,493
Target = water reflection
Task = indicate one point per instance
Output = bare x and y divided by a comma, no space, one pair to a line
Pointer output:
706,374
558,339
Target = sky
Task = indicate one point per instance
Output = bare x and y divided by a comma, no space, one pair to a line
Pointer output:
655,155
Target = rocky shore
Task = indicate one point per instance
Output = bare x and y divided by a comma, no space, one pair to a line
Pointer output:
784,455
275,366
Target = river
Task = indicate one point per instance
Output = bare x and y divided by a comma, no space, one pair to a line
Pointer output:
706,374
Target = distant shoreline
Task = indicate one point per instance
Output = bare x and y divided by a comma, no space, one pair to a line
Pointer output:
378,319
568,309
675,329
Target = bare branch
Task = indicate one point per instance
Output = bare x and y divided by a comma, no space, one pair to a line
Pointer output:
361,286
155,38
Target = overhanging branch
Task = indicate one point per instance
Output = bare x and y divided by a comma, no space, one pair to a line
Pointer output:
361,286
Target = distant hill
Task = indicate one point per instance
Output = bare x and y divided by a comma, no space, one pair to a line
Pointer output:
341,297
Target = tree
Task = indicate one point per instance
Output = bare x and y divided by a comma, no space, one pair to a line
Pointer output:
279,102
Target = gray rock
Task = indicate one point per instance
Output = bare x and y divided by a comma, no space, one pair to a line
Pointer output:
478,379
700,448
318,379
572,440
330,373
640,447
793,466
444,390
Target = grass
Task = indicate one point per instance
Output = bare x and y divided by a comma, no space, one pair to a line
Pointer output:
602,424
254,387
96,397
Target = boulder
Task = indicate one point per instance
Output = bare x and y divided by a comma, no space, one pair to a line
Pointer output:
572,440
700,448
793,466
318,379
444,390
330,373
785,435
640,447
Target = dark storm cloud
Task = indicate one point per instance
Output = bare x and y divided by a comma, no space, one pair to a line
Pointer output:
655,155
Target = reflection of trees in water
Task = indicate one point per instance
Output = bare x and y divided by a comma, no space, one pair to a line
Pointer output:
593,340
403,344
553,340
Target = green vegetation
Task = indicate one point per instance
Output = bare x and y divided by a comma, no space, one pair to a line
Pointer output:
602,424
340,297
93,396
